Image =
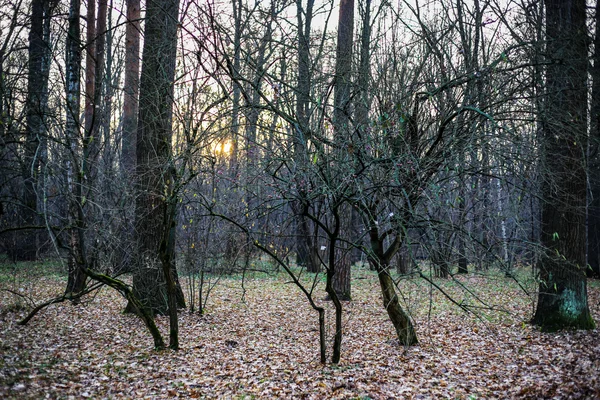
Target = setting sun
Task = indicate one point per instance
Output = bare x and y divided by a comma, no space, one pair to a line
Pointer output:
223,148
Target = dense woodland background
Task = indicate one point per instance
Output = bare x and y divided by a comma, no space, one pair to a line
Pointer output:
171,149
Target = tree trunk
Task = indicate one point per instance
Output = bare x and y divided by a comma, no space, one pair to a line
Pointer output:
505,257
562,301
167,256
94,70
76,279
404,328
154,181
362,106
90,67
111,80
332,293
343,136
37,99
380,259
129,124
100,56
305,247
237,90
593,222
342,277
462,256
131,88
404,261
100,82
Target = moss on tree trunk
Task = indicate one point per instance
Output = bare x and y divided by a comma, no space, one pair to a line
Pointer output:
404,327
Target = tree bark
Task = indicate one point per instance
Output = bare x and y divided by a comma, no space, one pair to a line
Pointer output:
90,67
237,89
36,103
129,125
402,324
154,179
305,248
100,56
333,295
167,257
380,259
76,278
99,82
131,88
343,135
562,301
593,222
342,276
306,255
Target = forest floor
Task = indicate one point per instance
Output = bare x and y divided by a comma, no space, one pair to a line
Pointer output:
260,340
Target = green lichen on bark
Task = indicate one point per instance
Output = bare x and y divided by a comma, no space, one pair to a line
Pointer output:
571,312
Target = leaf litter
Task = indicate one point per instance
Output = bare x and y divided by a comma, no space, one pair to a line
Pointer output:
266,346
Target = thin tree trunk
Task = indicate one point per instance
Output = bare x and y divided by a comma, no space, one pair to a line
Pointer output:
90,66
380,259
129,124
37,99
100,56
167,256
404,328
131,88
332,293
342,276
111,81
305,248
343,136
100,82
237,90
76,278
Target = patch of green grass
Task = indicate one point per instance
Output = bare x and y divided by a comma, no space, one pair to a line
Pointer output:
23,271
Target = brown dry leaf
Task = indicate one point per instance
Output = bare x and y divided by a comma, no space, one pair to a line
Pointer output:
267,347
